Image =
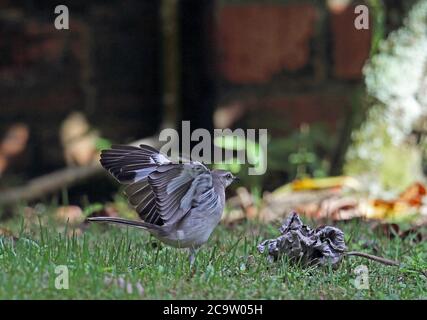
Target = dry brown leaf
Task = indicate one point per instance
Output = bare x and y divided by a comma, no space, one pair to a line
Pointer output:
393,230
107,211
414,194
325,183
226,116
73,214
15,140
78,140
247,203
3,163
13,143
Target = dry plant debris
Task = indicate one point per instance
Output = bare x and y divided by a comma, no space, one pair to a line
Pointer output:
78,140
322,246
12,144
329,199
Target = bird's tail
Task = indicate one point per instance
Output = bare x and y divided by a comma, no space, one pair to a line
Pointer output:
132,223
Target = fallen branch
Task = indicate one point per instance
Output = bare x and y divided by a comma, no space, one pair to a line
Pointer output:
49,183
382,260
58,180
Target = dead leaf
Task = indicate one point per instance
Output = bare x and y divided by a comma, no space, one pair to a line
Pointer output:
393,230
13,143
78,140
15,140
333,208
414,194
226,116
247,203
275,206
325,200
73,214
325,183
322,246
414,233
107,211
3,163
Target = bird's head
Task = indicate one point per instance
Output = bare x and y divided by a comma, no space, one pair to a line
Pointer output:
225,177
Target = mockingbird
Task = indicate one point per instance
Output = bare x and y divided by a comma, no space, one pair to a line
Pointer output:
180,203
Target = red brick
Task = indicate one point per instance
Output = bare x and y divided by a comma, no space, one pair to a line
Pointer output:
52,103
34,27
350,46
53,48
43,49
39,42
258,41
293,110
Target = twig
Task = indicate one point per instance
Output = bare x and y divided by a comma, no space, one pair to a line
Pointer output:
382,260
374,258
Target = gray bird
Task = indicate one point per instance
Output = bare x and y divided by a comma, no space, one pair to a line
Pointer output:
180,203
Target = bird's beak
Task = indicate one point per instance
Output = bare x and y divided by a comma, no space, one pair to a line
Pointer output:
236,179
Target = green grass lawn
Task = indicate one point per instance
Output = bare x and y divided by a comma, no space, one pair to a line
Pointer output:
228,267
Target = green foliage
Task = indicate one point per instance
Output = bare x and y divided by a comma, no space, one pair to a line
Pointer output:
102,143
302,153
378,16
94,207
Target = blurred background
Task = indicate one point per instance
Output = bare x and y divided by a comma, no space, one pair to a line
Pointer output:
124,70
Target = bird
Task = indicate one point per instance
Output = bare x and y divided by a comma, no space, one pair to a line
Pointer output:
180,203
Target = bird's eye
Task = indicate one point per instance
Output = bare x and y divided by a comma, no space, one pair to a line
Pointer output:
229,176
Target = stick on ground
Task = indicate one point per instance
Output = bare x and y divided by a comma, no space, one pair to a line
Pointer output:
382,260
58,180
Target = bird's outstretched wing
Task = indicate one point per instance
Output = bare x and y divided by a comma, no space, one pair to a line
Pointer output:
129,164
162,192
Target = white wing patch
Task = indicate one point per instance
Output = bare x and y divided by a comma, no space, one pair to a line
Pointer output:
161,159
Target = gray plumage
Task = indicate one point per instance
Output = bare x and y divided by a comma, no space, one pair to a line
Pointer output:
180,203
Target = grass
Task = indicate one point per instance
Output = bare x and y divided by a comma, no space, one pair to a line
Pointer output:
228,267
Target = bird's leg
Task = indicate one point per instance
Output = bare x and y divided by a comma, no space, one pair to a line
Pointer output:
192,256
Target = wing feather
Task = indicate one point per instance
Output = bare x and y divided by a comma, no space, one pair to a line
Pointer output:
177,188
128,164
161,192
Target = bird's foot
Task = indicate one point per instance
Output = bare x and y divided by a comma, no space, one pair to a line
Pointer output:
192,259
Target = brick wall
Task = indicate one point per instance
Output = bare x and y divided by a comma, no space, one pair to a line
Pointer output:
285,62
299,61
